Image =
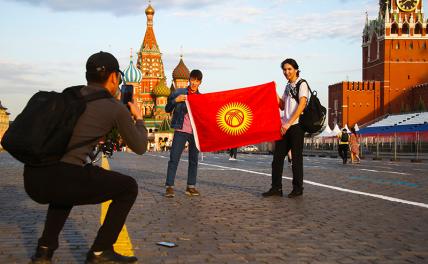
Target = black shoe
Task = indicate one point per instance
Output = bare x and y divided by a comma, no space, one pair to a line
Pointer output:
43,255
273,192
295,193
108,257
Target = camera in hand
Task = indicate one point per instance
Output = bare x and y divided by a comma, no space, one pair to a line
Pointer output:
127,92
107,148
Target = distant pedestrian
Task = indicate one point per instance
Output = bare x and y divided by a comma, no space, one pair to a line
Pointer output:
343,145
183,133
355,146
232,153
293,102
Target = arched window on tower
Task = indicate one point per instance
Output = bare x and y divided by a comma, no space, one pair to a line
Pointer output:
405,29
394,28
418,28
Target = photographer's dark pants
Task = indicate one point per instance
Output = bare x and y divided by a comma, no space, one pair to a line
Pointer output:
64,185
293,140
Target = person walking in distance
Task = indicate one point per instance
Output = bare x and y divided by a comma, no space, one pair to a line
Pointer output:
232,153
355,146
343,145
292,132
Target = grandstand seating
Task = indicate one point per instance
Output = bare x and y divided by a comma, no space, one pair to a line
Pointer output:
403,119
403,123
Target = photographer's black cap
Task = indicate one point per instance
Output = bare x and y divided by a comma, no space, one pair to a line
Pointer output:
102,61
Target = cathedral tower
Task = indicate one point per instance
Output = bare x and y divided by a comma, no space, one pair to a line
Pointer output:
151,66
181,75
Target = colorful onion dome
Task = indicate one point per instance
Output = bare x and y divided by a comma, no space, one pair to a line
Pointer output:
150,10
161,90
132,73
181,71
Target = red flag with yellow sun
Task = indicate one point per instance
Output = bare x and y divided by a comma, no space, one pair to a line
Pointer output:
235,118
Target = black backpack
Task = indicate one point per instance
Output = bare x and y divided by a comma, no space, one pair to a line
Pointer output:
39,136
344,137
313,117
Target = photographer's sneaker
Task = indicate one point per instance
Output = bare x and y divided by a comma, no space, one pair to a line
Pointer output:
169,192
43,255
191,191
108,256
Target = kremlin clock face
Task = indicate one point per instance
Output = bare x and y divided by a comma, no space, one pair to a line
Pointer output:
407,5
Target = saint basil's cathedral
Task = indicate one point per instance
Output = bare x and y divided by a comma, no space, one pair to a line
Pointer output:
147,76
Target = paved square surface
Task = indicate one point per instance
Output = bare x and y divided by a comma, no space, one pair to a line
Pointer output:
374,212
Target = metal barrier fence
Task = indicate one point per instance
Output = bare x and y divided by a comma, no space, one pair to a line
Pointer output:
394,146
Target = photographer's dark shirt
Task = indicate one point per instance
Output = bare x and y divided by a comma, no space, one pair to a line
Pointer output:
98,119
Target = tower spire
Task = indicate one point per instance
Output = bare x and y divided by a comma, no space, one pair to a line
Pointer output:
367,19
387,12
149,38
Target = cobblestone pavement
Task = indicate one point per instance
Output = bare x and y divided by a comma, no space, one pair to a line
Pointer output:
231,223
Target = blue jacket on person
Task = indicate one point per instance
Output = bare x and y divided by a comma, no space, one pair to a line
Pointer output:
180,109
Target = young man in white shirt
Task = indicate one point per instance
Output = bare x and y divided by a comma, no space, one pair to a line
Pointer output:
293,102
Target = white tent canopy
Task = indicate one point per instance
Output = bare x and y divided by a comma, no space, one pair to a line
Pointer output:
326,132
356,127
336,130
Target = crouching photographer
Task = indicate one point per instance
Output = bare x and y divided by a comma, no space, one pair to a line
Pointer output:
75,181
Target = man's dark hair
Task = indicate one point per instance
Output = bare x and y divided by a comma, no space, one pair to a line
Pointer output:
292,62
196,74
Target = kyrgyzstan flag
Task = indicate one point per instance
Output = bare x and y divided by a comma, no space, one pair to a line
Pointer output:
235,118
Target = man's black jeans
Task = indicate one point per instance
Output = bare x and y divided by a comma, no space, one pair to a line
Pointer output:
343,152
293,140
64,185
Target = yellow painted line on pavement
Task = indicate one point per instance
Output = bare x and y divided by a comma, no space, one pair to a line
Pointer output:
123,244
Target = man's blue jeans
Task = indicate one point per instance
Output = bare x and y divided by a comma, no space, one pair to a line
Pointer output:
178,144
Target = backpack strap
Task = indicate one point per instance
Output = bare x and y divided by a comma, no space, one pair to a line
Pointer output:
296,96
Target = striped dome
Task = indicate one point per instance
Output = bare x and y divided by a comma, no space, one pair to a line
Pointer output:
132,73
161,90
181,72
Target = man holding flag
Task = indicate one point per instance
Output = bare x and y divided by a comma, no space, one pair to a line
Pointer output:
291,131
183,133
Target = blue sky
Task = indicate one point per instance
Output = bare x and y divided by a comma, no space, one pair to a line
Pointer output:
45,43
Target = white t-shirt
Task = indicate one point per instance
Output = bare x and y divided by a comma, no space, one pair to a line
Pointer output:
290,104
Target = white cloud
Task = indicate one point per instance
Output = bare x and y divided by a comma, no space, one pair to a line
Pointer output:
340,24
122,8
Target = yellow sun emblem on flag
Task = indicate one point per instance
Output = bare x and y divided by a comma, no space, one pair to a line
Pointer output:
234,118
